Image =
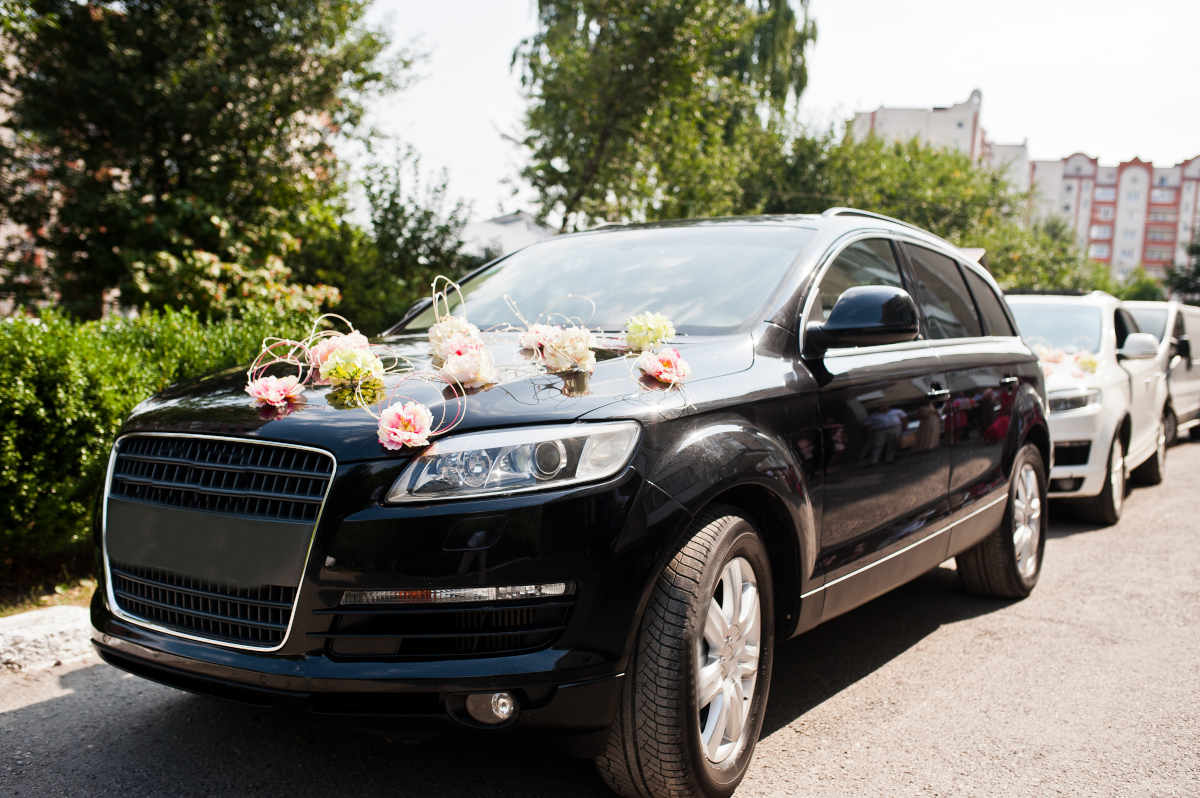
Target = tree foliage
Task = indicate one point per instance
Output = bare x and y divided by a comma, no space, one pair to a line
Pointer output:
149,131
1185,280
647,110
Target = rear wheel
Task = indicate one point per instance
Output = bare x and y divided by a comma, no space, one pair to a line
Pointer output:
1106,507
1008,562
1171,426
693,701
1153,470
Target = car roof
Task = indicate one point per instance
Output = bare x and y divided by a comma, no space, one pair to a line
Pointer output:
1098,299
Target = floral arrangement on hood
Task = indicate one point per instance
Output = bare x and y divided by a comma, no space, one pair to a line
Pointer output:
349,363
666,366
1056,361
647,331
455,343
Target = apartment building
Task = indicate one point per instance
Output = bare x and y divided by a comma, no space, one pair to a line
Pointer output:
956,126
1127,215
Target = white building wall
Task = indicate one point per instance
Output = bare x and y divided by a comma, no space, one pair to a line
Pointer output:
1133,185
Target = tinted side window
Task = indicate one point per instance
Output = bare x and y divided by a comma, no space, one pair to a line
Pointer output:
1179,332
995,322
1125,325
868,262
942,294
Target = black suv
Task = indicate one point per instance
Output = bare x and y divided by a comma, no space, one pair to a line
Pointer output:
860,409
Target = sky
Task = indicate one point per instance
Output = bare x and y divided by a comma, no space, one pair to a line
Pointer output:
1112,80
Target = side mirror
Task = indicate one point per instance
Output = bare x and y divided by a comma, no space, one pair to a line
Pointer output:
865,315
1139,346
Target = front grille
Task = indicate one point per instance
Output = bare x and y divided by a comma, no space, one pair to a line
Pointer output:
447,632
255,616
222,476
1072,453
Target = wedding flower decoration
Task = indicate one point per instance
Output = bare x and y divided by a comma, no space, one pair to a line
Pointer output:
667,366
469,362
334,343
409,424
445,330
350,366
1087,361
369,392
571,350
275,391
536,336
647,331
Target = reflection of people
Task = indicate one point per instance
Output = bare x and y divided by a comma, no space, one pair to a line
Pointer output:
885,424
929,433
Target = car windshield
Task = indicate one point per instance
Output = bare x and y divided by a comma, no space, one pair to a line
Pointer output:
708,280
1071,328
1151,320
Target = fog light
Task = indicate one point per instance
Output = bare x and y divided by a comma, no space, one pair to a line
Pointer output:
451,595
1065,485
492,708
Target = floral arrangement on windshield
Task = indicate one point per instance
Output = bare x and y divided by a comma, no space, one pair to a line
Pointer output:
1055,360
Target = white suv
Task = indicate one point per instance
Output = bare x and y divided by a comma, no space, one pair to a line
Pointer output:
1175,326
1106,390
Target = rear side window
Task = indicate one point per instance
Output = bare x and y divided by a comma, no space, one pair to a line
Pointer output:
995,321
942,294
1179,332
869,262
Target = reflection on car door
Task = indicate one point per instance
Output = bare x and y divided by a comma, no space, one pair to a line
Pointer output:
1145,377
972,335
887,464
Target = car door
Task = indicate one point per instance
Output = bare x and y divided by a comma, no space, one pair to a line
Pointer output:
1145,378
887,466
1184,374
983,357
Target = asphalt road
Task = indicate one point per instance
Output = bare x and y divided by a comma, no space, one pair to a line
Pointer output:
1091,687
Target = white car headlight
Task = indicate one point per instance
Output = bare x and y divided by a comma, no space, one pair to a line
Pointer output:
1062,401
517,461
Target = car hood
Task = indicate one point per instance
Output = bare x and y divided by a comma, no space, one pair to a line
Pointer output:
217,404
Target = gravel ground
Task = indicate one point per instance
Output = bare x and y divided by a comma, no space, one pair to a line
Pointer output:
1091,687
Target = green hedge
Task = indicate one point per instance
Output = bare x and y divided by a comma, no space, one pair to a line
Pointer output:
65,388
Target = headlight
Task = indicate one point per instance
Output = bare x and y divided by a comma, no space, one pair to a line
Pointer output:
1062,401
517,461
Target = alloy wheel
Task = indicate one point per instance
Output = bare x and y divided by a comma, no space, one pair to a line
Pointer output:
1027,521
727,661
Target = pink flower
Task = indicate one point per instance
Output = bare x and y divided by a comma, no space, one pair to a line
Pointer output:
666,366
538,335
406,425
474,368
459,345
275,391
327,346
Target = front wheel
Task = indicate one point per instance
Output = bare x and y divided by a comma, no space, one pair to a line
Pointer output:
1007,563
696,691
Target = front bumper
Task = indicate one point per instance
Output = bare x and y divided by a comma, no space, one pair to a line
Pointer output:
605,538
1073,429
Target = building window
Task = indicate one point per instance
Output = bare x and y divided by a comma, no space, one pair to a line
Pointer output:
1129,235
1127,253
1098,251
1069,187
1100,232
1159,253
1133,196
1163,196
1105,213
1106,194
1160,235
1162,216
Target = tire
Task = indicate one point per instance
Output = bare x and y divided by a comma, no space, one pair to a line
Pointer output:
1194,433
1106,507
656,743
1153,470
1008,562
1171,425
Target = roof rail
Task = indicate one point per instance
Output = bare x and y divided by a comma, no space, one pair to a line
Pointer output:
870,215
1047,292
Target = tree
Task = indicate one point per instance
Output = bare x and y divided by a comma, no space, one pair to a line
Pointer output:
415,234
647,110
148,130
1140,286
1184,280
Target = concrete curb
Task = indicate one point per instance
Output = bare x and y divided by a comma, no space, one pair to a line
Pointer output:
34,640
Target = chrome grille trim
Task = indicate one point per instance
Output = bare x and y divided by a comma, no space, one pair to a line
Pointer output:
110,596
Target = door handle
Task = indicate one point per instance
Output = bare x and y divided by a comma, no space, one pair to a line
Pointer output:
1009,380
938,394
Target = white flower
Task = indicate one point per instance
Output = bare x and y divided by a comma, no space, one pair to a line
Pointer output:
447,327
348,366
471,367
538,335
647,331
571,350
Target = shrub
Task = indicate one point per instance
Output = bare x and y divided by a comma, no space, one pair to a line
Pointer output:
65,388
